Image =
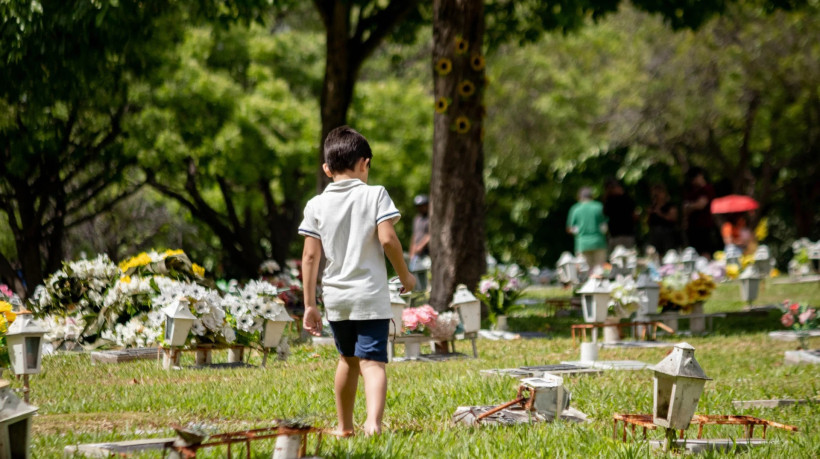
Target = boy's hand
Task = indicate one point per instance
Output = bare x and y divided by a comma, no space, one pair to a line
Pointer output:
312,320
408,283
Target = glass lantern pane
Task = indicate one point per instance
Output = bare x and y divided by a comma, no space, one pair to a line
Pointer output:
169,325
32,352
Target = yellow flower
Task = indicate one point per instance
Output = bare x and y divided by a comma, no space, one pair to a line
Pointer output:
135,262
762,230
746,260
442,104
170,252
477,62
679,297
4,306
774,272
466,88
732,271
444,66
719,255
462,125
198,270
125,279
462,45
7,315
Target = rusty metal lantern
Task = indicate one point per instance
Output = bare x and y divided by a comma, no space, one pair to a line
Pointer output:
595,299
549,398
678,381
469,308
397,305
24,340
178,322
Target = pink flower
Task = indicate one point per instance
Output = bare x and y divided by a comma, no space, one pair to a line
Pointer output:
794,308
486,285
426,314
808,315
409,318
6,291
787,320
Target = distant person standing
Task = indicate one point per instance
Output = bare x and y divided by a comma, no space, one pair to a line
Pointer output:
586,221
420,244
662,221
619,209
701,232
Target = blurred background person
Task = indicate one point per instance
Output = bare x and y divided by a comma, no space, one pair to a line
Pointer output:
619,209
587,222
735,231
698,193
420,243
662,220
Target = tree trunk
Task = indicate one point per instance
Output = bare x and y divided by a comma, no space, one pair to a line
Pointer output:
457,186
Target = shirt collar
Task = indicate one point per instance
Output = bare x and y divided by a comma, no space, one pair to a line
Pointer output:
343,185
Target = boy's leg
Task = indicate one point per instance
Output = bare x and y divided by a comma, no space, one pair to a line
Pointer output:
346,382
375,392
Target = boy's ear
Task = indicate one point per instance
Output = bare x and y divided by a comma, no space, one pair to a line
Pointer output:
327,170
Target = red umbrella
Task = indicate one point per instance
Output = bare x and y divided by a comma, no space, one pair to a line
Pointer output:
733,203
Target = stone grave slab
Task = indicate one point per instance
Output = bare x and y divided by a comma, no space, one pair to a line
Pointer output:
697,446
797,280
773,403
432,357
798,357
116,448
637,344
537,371
125,355
791,335
611,364
467,415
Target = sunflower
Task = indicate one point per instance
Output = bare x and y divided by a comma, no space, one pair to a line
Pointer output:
442,104
679,297
477,62
462,125
466,88
462,45
444,66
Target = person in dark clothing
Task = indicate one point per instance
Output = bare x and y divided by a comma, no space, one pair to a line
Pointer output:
619,208
701,232
420,244
662,221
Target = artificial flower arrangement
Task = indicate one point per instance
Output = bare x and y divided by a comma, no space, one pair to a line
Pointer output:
498,291
248,308
800,318
427,321
287,281
211,325
7,317
681,291
623,297
800,264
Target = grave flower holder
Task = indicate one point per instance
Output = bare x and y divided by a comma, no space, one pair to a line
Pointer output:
273,329
24,340
469,307
595,299
397,305
749,284
763,260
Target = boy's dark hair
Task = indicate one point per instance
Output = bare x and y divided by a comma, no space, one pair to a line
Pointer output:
344,147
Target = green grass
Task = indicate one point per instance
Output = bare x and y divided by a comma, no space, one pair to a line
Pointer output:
80,402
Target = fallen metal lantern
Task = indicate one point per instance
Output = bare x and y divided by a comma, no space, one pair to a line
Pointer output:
24,340
545,395
595,299
469,307
568,268
397,305
749,284
678,382
15,424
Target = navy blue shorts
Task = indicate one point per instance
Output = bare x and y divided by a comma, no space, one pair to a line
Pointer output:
365,339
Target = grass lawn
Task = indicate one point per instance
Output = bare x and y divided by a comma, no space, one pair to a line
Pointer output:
81,403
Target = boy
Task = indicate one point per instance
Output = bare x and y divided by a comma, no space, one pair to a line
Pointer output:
352,223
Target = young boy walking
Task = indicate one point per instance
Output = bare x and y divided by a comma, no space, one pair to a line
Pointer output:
352,223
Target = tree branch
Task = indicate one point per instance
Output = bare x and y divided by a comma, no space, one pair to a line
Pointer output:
104,208
229,205
382,23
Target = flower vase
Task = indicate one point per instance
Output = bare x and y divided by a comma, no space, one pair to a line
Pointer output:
501,323
412,350
611,333
697,325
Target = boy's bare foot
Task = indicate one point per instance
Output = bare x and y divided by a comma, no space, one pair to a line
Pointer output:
339,433
372,430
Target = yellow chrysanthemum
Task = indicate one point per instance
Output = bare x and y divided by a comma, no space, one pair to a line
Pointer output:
171,252
762,229
6,315
198,270
5,306
442,104
135,262
462,125
125,279
466,88
461,45
477,62
444,66
732,271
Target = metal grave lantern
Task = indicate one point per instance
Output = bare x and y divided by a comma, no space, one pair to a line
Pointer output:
273,329
733,254
178,322
763,259
583,267
678,382
620,256
688,258
649,293
15,424
397,305
469,308
549,398
567,268
25,340
749,284
595,299
671,258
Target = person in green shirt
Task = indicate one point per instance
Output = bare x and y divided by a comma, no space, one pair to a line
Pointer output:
586,221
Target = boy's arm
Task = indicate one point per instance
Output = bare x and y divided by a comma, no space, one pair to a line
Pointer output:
392,248
312,321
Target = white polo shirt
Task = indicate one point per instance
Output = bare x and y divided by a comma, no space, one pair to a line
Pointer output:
344,217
